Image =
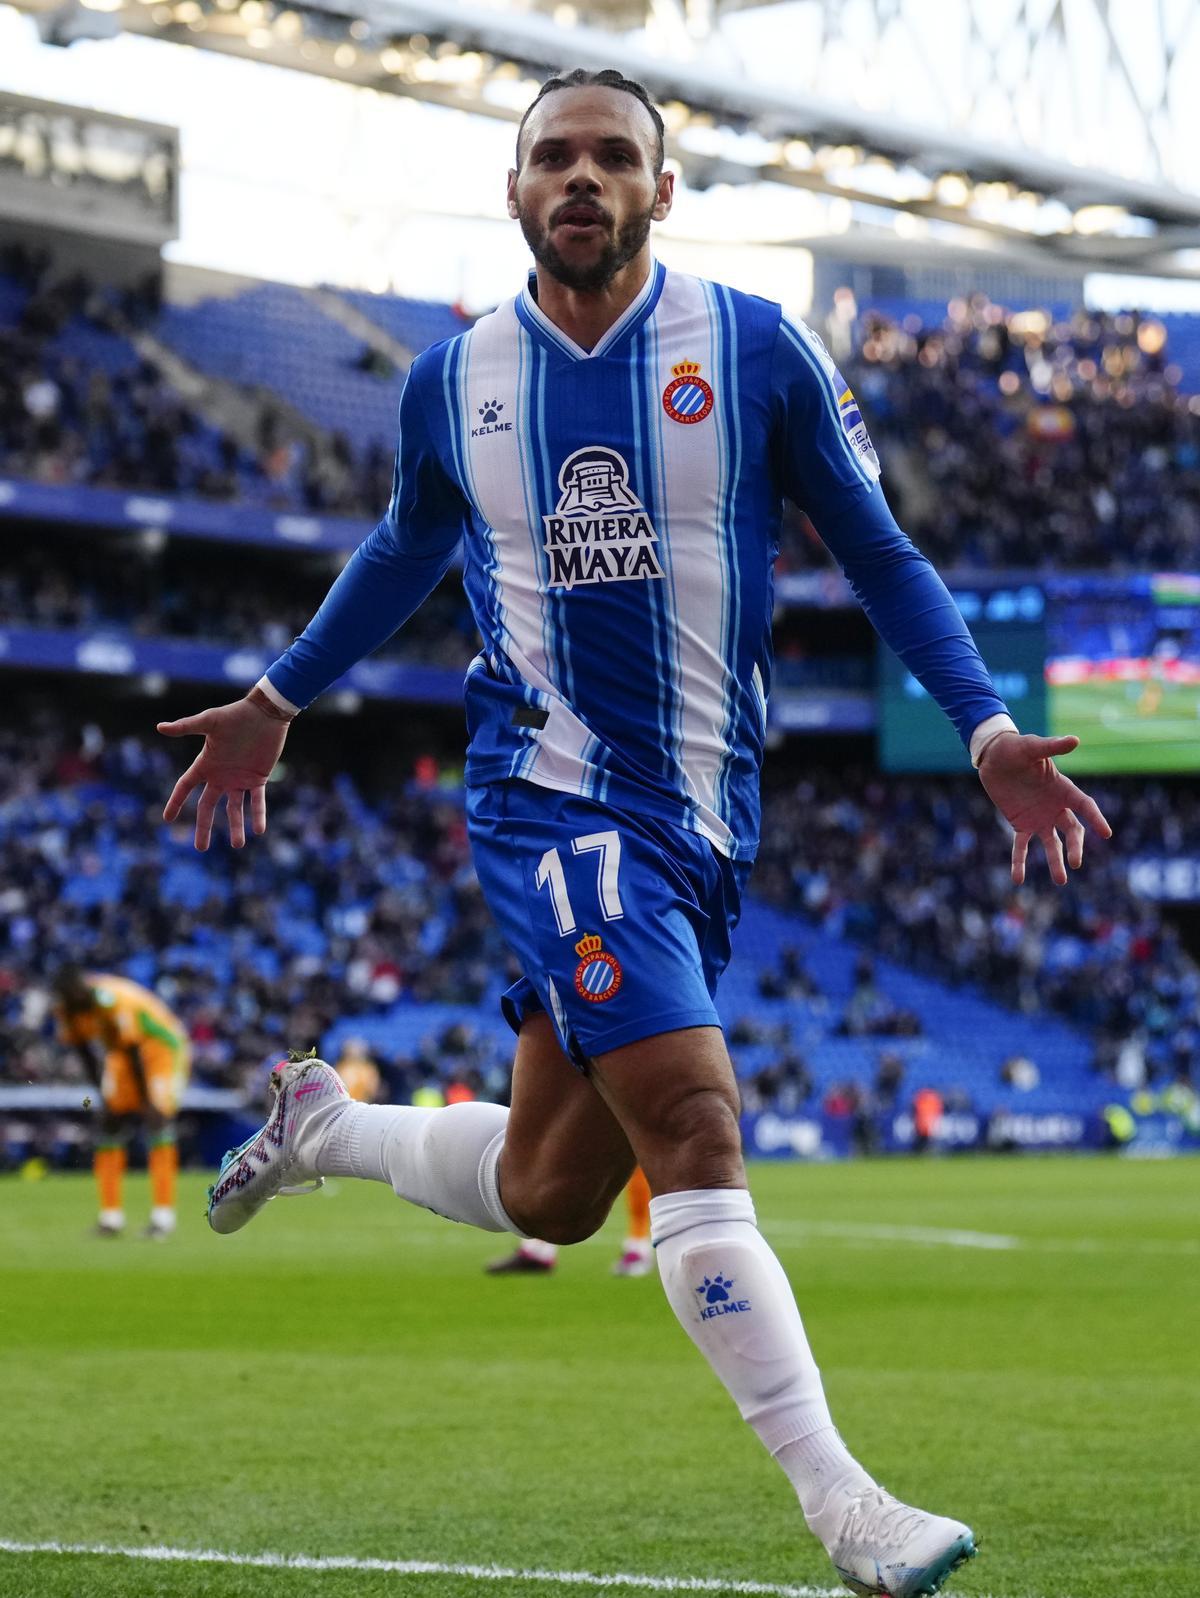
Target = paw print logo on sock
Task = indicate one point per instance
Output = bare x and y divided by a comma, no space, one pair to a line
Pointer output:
490,410
716,1289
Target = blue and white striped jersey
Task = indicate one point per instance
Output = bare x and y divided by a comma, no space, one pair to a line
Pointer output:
619,512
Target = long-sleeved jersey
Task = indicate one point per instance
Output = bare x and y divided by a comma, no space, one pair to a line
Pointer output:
619,513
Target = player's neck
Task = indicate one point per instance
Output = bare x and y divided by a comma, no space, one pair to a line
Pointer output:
585,317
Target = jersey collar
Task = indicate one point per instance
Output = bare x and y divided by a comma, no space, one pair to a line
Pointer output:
536,322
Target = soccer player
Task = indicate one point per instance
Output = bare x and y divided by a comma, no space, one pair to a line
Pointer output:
533,1256
611,449
136,1052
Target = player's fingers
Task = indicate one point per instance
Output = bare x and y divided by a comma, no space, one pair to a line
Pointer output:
1047,748
1091,812
1020,850
186,726
258,809
1072,830
235,814
205,811
1052,844
181,790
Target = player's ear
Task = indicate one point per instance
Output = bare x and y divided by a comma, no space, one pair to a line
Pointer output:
512,192
665,197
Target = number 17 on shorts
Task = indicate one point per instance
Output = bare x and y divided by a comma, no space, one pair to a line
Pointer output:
610,915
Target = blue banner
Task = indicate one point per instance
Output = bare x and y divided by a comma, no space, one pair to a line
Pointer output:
117,654
122,509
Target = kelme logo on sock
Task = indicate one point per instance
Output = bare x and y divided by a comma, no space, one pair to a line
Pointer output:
717,1299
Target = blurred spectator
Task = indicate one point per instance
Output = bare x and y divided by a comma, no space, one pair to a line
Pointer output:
1020,1072
927,1108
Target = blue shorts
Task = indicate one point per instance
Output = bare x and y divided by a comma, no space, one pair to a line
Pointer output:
621,923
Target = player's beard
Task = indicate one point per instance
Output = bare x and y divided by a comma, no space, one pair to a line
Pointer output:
619,249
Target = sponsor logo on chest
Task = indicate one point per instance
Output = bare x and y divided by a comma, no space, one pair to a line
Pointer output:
599,532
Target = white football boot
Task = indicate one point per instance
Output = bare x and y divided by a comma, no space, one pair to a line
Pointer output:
880,1545
308,1094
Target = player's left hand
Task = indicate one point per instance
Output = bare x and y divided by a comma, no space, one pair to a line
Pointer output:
1038,801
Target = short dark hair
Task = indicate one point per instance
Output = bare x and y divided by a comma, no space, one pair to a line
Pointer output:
607,78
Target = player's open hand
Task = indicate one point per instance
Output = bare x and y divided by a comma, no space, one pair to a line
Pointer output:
1038,801
242,743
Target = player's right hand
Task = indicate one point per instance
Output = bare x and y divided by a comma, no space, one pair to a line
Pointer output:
242,743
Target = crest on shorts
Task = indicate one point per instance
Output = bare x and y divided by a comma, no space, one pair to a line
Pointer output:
687,398
598,974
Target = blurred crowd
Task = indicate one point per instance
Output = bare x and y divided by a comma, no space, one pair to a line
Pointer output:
1009,439
142,584
1092,456
344,909
79,407
917,870
350,907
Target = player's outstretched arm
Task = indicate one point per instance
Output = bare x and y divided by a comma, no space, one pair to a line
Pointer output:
242,743
1038,801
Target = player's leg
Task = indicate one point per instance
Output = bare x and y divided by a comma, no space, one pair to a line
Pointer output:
676,1096
558,1156
108,1168
165,1068
121,1102
637,1255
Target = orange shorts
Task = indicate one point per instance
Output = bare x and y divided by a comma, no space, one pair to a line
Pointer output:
166,1071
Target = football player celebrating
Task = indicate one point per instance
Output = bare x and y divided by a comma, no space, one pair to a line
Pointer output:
611,449
136,1052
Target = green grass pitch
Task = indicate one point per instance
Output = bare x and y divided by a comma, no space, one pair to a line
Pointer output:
1012,1342
1128,727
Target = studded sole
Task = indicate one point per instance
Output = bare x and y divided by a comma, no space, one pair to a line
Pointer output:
967,1549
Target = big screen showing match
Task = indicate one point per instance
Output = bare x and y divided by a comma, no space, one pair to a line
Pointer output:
1115,660
1123,671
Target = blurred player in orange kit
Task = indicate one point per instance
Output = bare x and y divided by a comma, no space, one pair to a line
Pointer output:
534,1257
136,1052
358,1072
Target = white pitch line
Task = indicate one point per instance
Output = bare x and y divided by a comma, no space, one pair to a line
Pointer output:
933,1235
427,1567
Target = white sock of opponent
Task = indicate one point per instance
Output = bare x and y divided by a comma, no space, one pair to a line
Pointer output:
445,1160
734,1301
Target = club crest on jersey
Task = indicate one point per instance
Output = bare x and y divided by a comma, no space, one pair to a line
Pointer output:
687,398
600,531
598,974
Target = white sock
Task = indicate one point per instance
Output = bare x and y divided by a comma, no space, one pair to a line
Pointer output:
113,1218
734,1301
163,1217
446,1160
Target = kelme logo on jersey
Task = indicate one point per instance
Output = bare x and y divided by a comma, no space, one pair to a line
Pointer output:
489,419
600,532
687,397
598,974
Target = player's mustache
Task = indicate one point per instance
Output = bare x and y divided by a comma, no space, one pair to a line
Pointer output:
596,212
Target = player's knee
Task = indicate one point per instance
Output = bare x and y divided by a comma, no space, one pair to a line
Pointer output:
693,1140
556,1211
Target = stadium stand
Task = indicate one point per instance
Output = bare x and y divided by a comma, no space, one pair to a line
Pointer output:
865,969
361,918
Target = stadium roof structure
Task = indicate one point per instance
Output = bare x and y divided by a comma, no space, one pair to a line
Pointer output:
954,194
